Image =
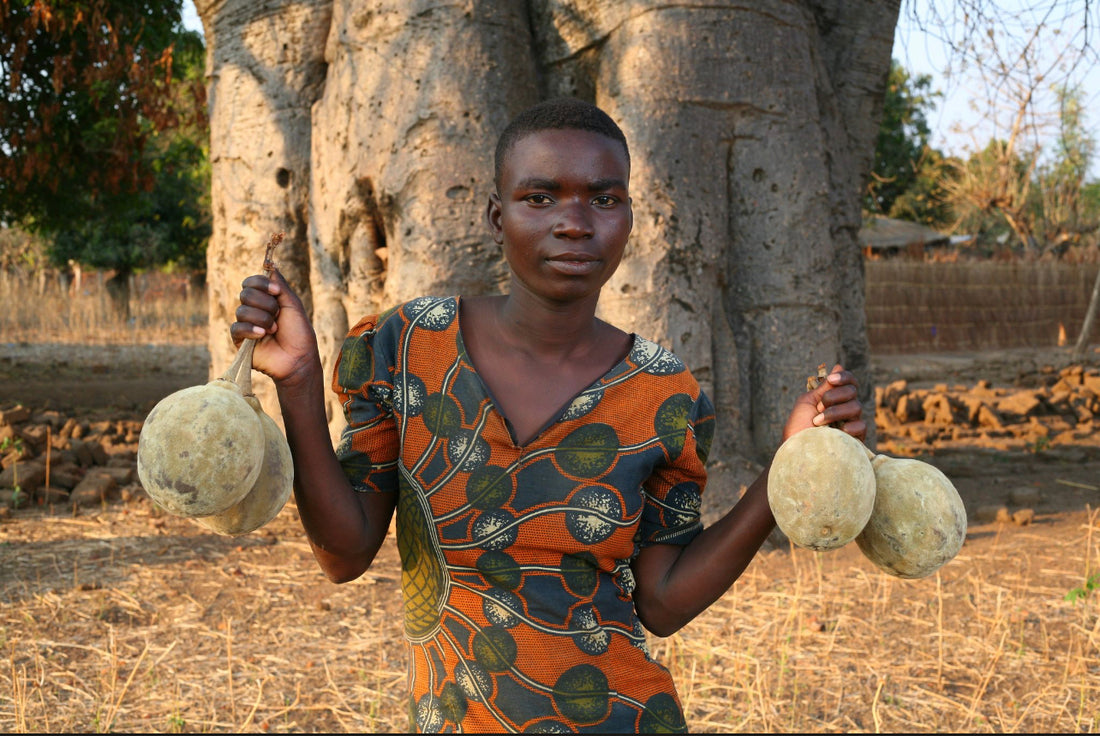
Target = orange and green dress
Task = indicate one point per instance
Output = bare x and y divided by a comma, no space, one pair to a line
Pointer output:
516,560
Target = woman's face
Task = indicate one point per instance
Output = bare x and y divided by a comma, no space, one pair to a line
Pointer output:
562,212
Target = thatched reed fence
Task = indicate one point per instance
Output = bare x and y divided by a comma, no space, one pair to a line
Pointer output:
943,307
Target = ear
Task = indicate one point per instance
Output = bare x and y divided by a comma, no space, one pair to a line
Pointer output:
493,216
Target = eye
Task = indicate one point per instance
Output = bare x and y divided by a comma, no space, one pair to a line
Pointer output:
538,199
605,200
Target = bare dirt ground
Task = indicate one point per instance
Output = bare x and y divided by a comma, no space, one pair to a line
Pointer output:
123,618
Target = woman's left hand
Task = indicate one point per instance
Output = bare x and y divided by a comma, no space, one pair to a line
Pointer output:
834,402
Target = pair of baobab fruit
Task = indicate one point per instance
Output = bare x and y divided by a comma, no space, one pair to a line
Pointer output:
826,488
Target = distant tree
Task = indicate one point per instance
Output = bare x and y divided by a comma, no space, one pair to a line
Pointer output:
925,200
20,250
1022,63
1061,205
1090,199
102,130
1041,202
990,194
902,137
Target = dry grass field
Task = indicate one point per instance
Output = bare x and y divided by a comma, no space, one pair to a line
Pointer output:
121,618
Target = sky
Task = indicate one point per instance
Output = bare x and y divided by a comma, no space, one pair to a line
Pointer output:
959,121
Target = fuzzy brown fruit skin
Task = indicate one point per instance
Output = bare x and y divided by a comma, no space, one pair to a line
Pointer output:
821,488
200,449
270,492
919,522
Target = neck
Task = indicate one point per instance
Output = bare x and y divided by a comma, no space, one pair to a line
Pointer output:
541,327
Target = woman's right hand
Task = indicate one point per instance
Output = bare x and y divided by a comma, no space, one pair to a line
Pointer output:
272,314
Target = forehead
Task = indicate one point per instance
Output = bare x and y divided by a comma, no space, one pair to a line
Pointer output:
566,151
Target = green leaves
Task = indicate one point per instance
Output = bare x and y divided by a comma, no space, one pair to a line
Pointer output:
103,131
1083,592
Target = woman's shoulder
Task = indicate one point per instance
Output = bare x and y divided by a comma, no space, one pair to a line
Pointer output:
655,359
664,370
429,312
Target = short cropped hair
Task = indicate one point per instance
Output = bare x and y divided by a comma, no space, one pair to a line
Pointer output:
559,113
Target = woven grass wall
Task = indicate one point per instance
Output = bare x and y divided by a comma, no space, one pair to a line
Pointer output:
916,306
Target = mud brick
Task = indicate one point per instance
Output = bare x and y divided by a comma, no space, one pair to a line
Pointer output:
35,434
908,409
938,410
1021,404
14,415
1024,497
99,453
992,513
13,499
122,458
51,496
93,490
1023,517
65,475
82,451
50,417
27,476
68,428
123,474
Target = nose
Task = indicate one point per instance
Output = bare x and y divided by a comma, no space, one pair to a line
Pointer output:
574,220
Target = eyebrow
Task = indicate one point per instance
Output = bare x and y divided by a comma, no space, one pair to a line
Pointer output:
538,183
596,185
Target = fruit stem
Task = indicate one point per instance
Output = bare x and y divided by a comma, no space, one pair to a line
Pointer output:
240,370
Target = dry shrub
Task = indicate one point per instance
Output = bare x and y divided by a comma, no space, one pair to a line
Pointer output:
40,308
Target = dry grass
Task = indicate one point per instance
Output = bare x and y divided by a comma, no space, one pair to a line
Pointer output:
163,309
127,621
824,642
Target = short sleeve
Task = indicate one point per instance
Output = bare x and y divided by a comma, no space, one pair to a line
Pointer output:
369,445
674,491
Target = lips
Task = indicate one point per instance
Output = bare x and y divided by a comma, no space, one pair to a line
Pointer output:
570,256
574,263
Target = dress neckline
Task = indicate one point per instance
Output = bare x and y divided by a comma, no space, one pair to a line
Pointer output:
557,415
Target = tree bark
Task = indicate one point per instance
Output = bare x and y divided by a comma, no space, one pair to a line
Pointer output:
416,94
265,69
752,127
1082,343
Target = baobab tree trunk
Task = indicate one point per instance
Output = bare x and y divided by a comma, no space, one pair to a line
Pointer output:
751,128
265,69
415,97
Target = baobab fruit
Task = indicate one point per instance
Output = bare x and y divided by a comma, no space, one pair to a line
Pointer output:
821,488
269,493
202,449
918,523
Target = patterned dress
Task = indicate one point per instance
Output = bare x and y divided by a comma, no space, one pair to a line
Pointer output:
516,560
